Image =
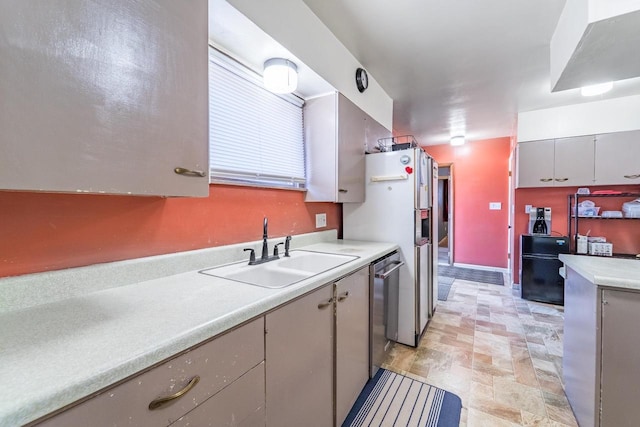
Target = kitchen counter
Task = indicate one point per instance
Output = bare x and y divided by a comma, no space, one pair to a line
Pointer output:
605,271
54,353
601,309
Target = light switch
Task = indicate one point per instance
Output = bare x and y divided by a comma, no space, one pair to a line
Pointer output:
321,220
495,206
527,208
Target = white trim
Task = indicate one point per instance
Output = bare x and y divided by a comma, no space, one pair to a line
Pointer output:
481,267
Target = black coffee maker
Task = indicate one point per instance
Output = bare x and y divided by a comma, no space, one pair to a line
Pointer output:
540,220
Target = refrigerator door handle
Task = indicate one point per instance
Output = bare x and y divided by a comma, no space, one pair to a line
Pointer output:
387,273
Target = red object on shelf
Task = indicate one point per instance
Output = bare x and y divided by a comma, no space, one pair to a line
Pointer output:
409,169
606,192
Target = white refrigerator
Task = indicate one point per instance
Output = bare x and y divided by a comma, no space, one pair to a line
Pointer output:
399,207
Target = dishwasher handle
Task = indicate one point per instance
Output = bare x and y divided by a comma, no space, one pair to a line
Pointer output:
387,273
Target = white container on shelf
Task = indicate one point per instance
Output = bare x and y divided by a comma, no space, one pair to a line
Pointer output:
601,249
582,246
631,209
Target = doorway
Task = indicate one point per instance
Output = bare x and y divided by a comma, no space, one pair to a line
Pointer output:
445,214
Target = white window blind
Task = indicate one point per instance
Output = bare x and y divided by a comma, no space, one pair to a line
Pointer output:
255,136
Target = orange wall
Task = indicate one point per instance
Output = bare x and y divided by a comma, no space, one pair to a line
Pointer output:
41,231
625,235
480,176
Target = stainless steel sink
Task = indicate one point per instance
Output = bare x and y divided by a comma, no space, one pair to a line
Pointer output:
282,272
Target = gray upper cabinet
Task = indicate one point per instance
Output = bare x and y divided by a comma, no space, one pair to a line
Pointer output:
336,132
573,161
556,162
104,96
617,157
535,164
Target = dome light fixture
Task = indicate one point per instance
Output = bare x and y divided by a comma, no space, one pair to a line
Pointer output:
598,89
457,140
280,75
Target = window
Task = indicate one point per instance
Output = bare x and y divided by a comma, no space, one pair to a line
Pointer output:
255,136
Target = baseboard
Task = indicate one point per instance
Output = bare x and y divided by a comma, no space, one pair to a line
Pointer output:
481,267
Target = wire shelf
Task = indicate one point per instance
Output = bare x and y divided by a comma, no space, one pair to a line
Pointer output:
395,143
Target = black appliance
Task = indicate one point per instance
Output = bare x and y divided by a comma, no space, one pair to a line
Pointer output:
540,279
540,225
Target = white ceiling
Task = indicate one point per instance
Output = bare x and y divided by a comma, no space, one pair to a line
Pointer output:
451,66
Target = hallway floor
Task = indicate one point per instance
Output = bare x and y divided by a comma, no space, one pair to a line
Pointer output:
500,354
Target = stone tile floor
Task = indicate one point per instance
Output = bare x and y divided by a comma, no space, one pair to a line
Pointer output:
500,354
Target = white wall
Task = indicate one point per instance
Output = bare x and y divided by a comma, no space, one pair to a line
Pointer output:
292,24
611,115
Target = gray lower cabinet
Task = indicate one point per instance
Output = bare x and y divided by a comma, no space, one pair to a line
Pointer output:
230,370
352,340
240,404
104,96
303,389
600,362
303,364
581,352
299,354
620,374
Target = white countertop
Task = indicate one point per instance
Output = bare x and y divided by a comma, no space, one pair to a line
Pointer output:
55,353
605,271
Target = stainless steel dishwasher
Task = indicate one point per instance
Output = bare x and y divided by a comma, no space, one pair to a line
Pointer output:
384,276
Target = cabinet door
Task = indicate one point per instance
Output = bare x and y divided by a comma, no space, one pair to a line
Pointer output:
351,141
217,363
352,340
617,157
299,358
321,145
620,355
536,164
581,351
241,403
104,96
573,161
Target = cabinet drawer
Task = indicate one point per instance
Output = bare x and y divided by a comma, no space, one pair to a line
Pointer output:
218,363
239,404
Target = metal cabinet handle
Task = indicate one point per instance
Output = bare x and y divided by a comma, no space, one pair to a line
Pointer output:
325,304
189,172
162,401
636,176
562,179
546,179
386,274
342,190
343,296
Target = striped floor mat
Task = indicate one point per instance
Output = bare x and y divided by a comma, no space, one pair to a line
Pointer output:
390,399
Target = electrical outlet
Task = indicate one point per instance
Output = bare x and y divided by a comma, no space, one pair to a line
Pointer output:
321,220
527,208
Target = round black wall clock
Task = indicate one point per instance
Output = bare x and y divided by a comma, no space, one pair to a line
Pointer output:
362,79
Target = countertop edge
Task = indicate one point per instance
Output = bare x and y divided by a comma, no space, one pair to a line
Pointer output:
605,271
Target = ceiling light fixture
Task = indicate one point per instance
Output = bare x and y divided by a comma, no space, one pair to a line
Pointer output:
280,75
457,140
598,89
